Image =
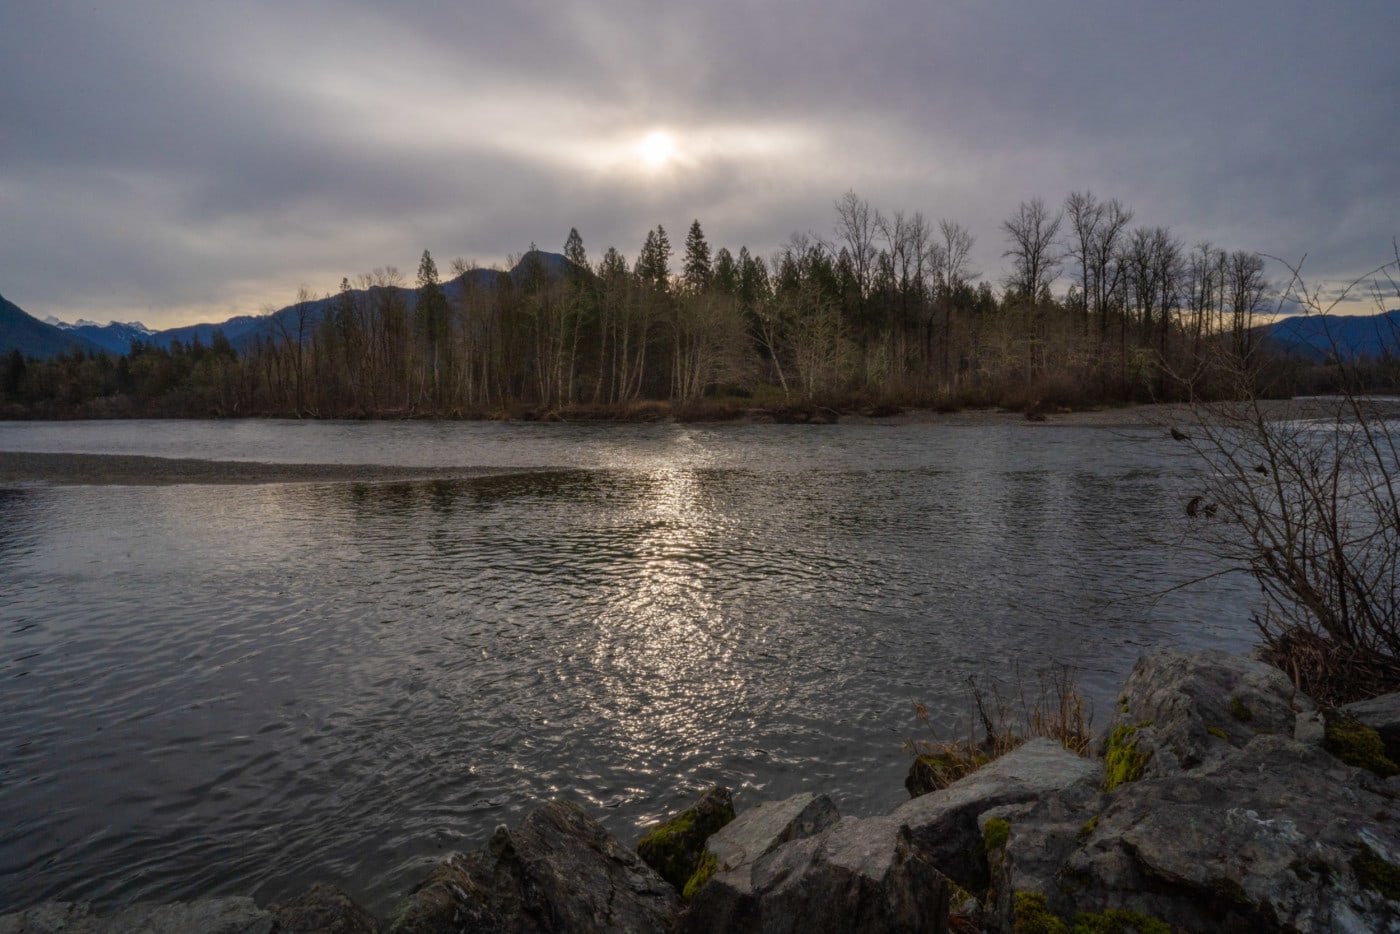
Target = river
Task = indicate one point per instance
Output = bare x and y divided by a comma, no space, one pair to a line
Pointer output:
248,689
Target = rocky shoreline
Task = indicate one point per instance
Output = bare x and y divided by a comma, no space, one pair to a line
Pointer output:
1221,799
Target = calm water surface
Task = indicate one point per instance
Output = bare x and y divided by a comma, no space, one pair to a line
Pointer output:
250,689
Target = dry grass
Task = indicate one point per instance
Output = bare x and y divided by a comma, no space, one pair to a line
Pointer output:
1000,721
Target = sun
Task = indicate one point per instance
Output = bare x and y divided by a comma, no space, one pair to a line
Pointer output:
656,149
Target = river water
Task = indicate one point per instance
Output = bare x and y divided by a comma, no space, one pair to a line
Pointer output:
248,689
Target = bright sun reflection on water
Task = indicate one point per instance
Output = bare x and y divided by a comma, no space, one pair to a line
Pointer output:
669,678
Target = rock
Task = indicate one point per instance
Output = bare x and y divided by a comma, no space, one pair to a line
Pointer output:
207,916
323,909
934,770
943,823
1381,714
673,847
858,875
1028,844
1280,836
559,871
762,829
1180,711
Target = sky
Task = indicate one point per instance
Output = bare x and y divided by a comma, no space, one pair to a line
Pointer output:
175,162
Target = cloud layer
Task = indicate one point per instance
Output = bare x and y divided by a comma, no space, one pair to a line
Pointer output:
188,162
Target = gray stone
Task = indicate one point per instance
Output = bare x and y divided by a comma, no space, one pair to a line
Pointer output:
1040,838
322,909
1268,840
1310,728
943,823
206,916
859,875
760,830
1381,714
1194,710
559,871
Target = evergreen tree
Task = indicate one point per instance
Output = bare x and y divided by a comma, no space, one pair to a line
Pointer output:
432,319
697,260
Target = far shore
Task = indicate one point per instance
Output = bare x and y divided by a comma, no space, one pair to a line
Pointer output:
142,470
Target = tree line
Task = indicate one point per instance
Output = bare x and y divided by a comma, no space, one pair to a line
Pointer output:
883,310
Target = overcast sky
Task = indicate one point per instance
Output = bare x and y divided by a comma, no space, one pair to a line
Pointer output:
183,161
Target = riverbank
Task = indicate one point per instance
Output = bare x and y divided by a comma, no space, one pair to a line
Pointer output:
1222,799
143,470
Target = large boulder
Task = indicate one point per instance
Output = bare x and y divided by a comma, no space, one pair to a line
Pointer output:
673,847
1282,836
762,829
943,824
207,916
1180,711
860,875
1215,818
559,871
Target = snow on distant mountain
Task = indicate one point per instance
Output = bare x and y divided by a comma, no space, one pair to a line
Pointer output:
34,338
114,336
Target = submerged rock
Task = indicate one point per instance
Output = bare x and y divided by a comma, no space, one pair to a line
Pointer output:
674,847
559,871
206,916
322,909
858,875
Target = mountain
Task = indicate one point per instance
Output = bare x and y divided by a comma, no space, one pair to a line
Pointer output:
246,330
40,339
33,338
1317,337
114,336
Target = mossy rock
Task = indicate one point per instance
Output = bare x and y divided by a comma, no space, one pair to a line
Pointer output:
1374,873
1357,744
934,770
1031,915
1218,733
995,833
1118,921
709,865
1240,711
1123,763
674,847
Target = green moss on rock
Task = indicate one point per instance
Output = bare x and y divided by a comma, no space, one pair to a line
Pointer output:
1088,828
1240,711
1375,873
673,848
707,868
1218,733
1357,744
1031,915
995,833
1123,762
1119,921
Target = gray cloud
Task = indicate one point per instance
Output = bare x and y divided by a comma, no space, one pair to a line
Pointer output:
182,162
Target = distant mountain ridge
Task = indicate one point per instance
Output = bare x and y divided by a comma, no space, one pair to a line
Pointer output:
114,336
36,338
1350,337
